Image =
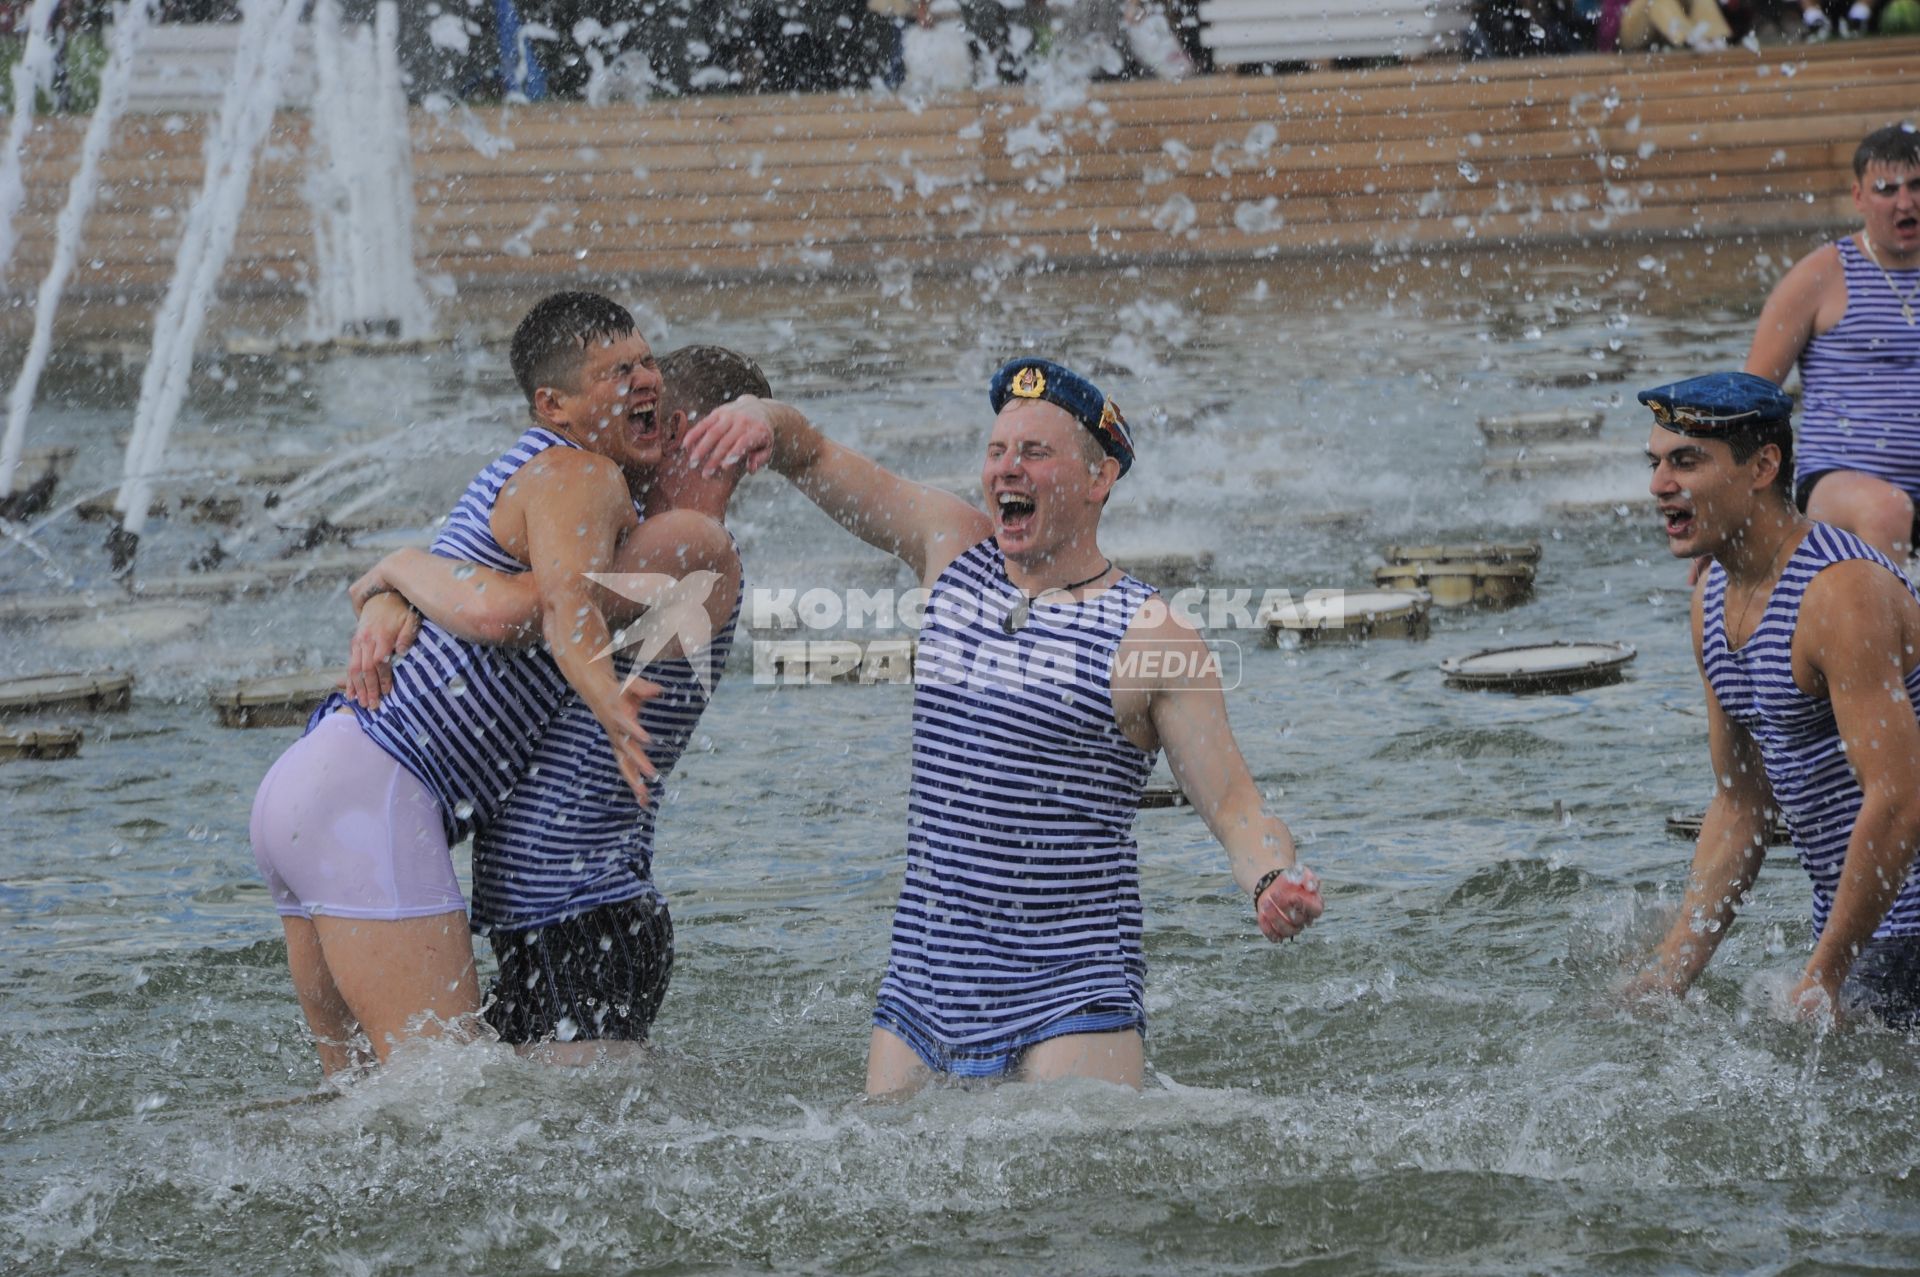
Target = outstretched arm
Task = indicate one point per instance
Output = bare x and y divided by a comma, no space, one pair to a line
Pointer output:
1188,713
925,527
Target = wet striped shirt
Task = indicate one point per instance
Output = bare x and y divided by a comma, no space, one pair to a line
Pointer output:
463,717
571,836
1862,382
1799,742
1021,904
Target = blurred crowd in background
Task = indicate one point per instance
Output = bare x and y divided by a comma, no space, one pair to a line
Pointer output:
609,50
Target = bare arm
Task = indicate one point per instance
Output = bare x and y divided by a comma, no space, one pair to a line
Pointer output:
1792,315
478,604
482,605
1726,860
1856,624
386,628
575,508
1188,714
468,601
925,527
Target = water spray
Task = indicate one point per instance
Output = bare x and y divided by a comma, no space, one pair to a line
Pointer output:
128,27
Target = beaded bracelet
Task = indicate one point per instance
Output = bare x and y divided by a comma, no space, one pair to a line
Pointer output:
1266,880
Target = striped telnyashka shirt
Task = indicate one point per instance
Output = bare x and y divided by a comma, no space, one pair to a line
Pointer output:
464,717
1021,903
1806,766
1862,382
571,836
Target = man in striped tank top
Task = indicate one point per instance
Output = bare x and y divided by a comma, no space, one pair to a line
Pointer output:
563,872
352,826
1849,315
1046,682
1809,645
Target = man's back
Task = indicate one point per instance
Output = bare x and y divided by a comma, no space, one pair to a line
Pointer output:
463,717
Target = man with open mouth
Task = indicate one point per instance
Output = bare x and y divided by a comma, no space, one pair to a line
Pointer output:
1808,641
1849,314
353,825
1046,682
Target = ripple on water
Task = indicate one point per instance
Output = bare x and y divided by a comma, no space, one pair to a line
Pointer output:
1433,1081
1449,742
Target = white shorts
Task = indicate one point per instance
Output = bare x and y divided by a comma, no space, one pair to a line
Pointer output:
341,828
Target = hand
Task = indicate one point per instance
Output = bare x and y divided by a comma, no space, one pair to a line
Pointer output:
1814,1000
1289,905
620,719
1648,982
732,433
387,629
371,584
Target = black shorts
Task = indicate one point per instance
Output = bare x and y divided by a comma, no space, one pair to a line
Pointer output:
599,976
1885,982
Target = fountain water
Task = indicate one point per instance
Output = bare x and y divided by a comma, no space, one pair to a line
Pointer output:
31,74
266,50
128,27
361,194
361,188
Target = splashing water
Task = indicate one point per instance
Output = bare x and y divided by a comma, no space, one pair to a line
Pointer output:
361,191
246,112
115,80
31,75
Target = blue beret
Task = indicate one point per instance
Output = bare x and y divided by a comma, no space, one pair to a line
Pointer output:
1064,388
1718,404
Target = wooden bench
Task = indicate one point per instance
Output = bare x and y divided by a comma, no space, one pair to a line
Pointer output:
185,66
1254,32
1387,159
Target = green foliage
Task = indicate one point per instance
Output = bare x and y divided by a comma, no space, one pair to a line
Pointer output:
84,58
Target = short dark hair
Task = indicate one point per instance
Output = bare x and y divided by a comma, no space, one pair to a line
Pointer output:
1746,443
551,342
1895,145
701,378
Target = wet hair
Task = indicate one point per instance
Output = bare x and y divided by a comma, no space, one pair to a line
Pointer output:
1748,442
1896,145
701,378
551,342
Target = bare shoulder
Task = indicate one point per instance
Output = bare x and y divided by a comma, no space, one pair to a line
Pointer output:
1813,273
1155,622
1852,585
1854,611
1163,649
676,540
558,465
565,480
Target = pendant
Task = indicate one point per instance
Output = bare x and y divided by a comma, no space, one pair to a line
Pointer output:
1906,308
1016,620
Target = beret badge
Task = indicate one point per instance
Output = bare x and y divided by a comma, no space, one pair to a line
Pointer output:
1029,383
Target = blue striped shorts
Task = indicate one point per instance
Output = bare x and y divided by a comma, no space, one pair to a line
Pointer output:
997,1057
